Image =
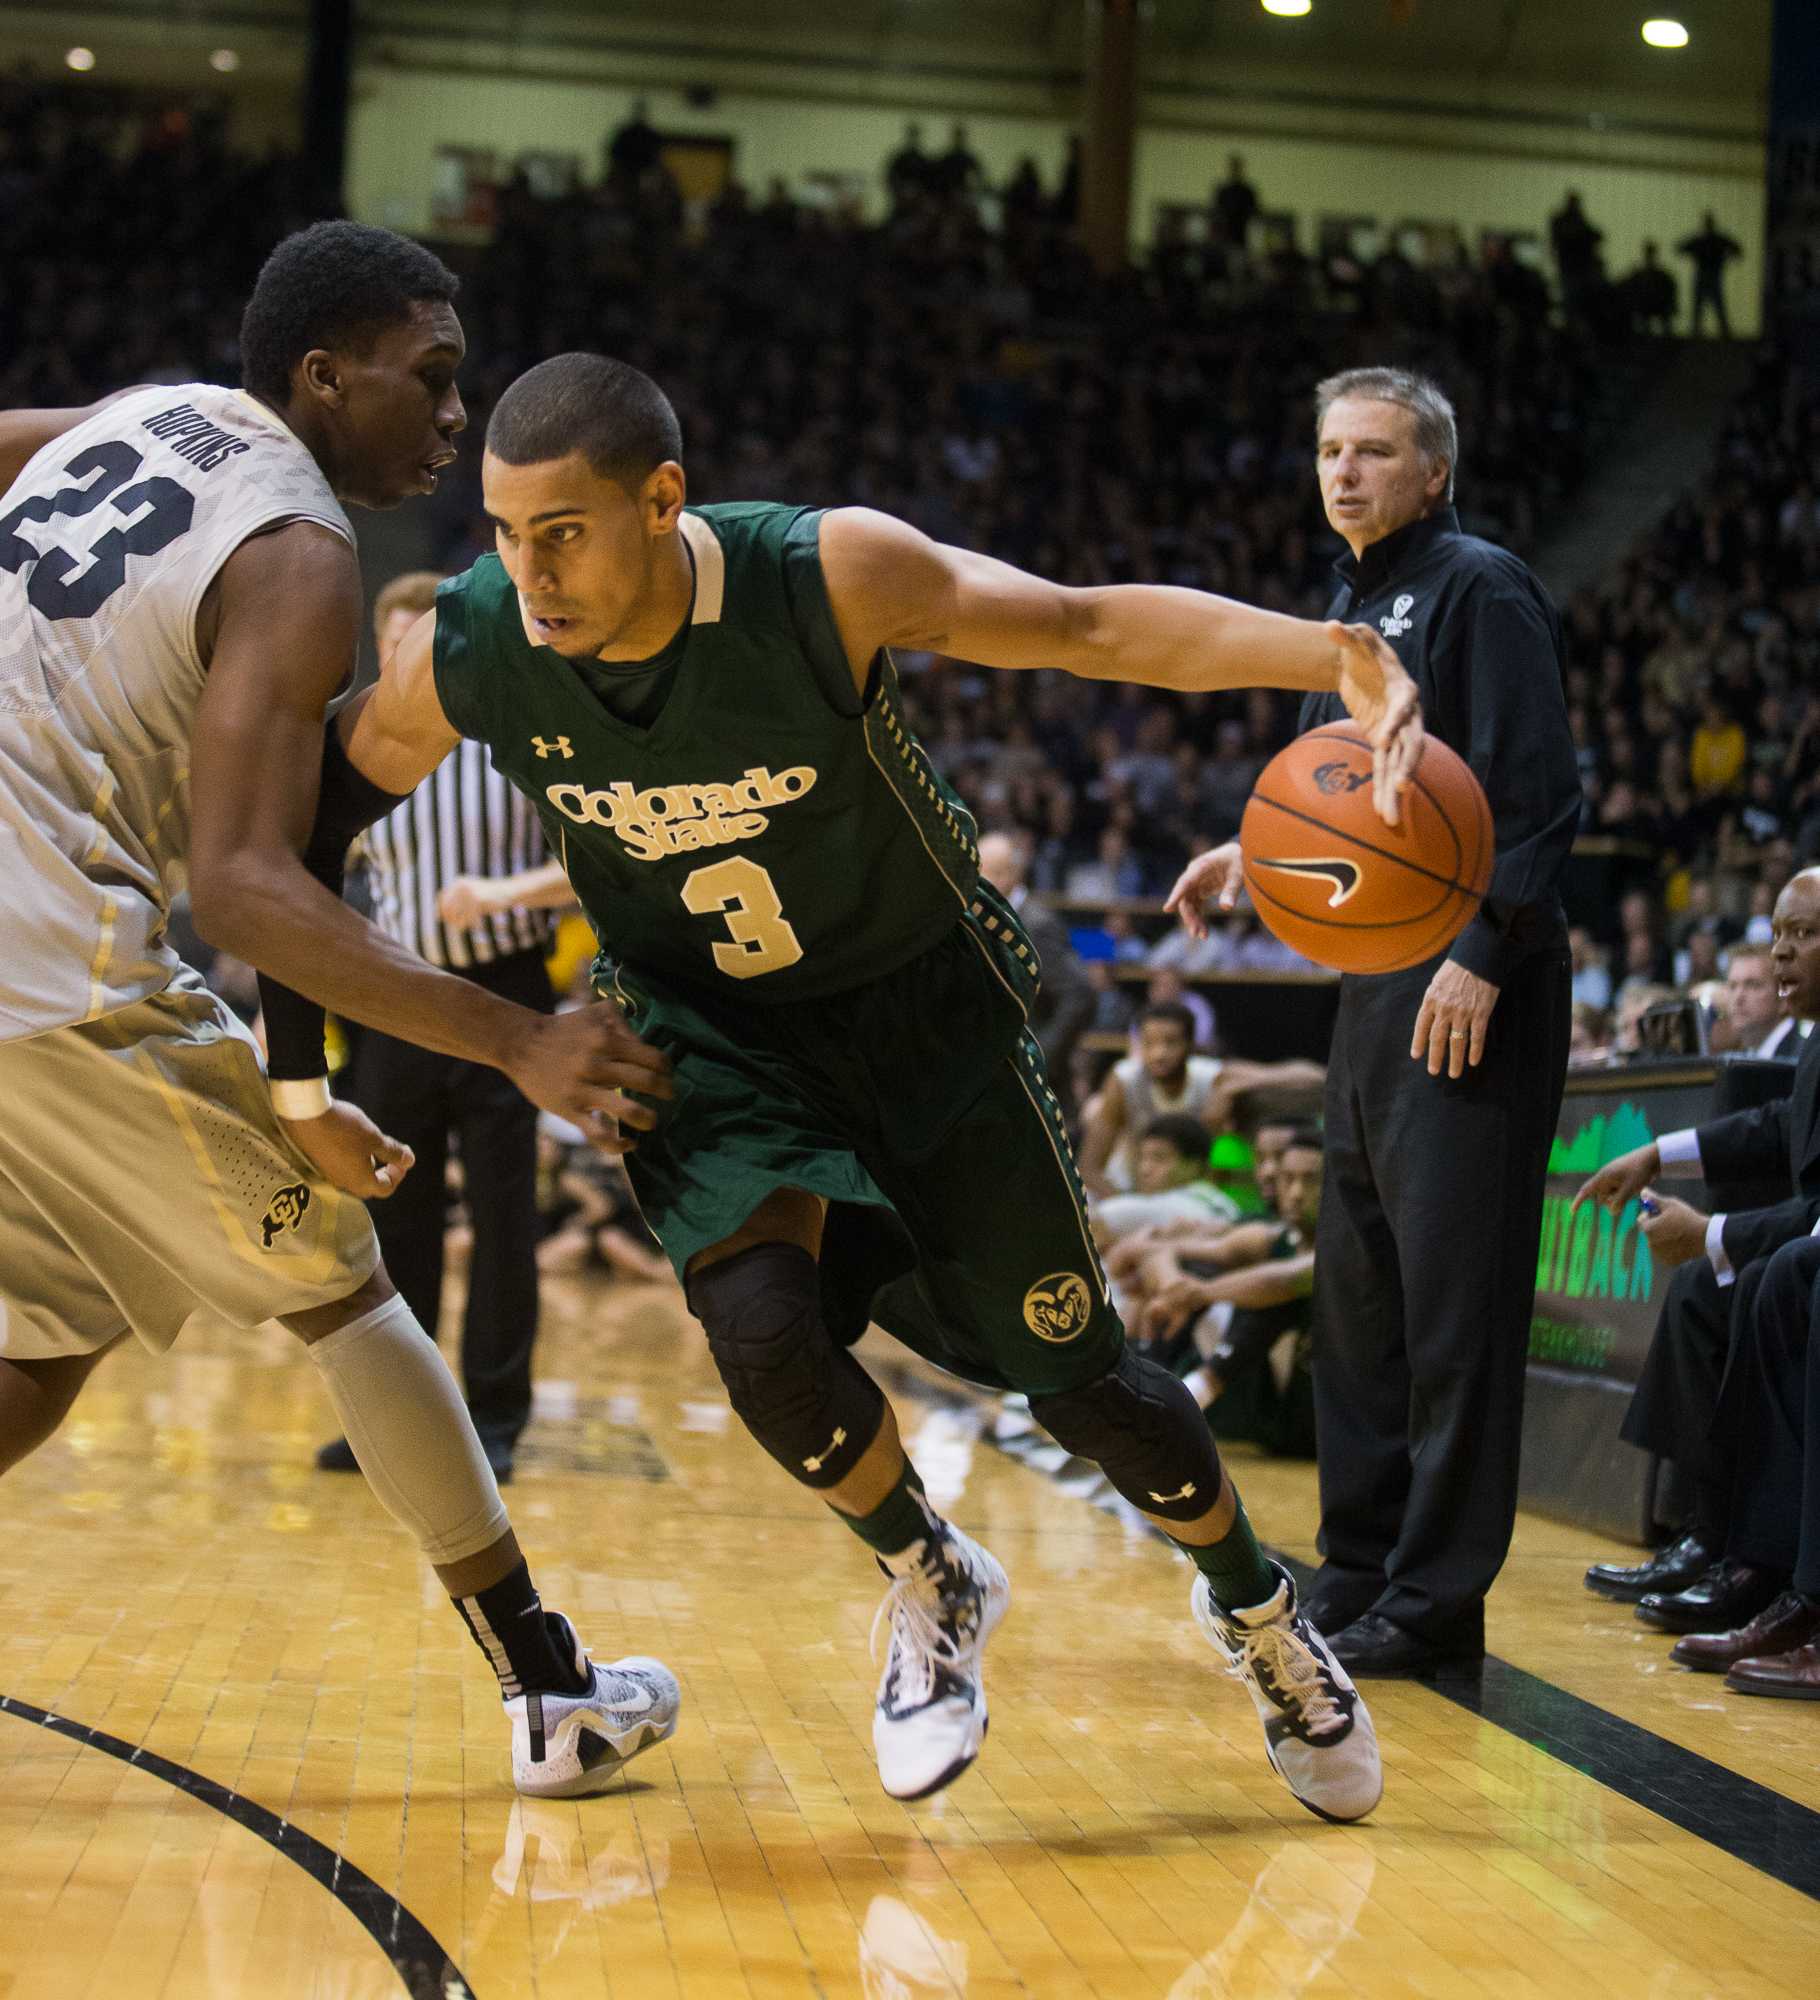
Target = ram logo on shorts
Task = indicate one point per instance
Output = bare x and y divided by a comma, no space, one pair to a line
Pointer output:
1058,1307
285,1210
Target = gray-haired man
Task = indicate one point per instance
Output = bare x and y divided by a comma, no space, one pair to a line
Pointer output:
1445,1080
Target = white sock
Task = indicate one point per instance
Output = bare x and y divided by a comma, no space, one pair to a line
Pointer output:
403,1415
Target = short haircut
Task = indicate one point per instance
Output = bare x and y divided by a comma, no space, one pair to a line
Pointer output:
1182,1134
1745,950
612,413
1437,431
336,285
415,591
1304,1139
1171,1011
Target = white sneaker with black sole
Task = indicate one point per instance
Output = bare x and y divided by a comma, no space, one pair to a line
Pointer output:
567,1746
1317,1730
931,1716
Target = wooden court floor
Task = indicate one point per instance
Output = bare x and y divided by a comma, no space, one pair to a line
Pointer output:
246,1751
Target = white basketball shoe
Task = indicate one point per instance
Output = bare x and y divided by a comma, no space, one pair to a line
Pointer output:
931,1716
1317,1731
566,1746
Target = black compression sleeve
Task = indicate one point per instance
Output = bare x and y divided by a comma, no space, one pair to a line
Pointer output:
346,805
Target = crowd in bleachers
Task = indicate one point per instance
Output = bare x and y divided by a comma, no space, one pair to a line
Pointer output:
983,380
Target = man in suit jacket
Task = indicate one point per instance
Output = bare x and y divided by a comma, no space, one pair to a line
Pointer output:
1065,1000
1722,1259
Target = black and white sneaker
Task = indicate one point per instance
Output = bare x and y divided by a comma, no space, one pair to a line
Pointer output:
941,1609
566,1746
1317,1731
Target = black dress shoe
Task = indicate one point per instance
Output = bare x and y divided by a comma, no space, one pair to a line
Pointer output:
1338,1596
1730,1594
1374,1647
337,1457
1673,1567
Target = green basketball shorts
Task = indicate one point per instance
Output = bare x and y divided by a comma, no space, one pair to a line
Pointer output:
918,1107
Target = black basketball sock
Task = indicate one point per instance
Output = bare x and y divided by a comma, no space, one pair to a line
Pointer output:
899,1521
523,1643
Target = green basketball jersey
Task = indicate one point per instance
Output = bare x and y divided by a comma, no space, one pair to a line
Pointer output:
770,834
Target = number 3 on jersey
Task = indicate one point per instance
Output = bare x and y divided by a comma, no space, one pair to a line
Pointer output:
762,941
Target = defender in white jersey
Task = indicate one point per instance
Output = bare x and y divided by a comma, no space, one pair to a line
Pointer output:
179,602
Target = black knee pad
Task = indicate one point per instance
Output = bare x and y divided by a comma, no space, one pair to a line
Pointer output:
1143,1429
803,1397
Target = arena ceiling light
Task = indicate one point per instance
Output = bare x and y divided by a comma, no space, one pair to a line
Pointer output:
83,59
1288,9
225,60
1665,34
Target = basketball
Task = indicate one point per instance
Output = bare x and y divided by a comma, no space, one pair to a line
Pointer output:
1330,879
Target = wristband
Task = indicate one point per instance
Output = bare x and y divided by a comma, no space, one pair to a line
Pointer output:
300,1098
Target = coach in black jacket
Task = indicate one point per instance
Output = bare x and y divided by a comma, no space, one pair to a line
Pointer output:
1445,1080
1713,1294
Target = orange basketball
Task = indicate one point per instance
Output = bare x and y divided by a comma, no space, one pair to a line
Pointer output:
1338,885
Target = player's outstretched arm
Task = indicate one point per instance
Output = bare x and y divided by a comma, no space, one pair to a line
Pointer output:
890,585
288,626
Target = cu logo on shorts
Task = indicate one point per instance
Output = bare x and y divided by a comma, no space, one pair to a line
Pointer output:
1058,1307
285,1210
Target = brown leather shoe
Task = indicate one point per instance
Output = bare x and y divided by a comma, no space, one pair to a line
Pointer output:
1794,1676
1791,1621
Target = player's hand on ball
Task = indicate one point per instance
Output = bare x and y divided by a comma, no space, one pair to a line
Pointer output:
1621,1180
1214,877
464,902
590,1068
1676,1232
350,1152
1450,1029
1381,698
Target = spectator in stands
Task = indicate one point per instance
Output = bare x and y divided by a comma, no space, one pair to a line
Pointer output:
1709,250
1752,1019
1245,1295
1717,752
1592,977
1589,1032
1171,1189
1575,243
1064,1001
1234,206
1167,988
909,173
957,174
1113,1007
1165,1076
635,148
1651,294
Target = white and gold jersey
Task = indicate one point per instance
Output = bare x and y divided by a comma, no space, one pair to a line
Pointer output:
108,540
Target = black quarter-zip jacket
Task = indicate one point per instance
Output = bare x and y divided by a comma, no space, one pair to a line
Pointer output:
1482,643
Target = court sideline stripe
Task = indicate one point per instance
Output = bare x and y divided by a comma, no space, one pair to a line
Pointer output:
1777,1836
424,1969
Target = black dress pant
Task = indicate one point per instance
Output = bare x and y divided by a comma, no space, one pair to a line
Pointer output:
421,1097
1770,1417
1676,1399
1425,1270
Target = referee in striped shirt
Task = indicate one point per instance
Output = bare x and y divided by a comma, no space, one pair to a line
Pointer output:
459,874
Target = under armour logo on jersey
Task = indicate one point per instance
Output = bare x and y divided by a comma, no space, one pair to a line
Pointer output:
546,748
1398,621
827,1452
1344,875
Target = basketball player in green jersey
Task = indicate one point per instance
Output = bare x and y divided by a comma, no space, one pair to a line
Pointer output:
703,704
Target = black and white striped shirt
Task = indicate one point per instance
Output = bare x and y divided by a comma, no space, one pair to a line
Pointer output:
464,819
